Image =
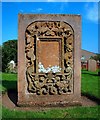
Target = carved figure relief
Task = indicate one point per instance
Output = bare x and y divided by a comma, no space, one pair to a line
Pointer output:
56,79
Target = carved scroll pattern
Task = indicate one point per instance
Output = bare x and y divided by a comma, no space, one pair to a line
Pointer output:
42,84
49,84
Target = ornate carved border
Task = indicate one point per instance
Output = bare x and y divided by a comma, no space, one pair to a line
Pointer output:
49,83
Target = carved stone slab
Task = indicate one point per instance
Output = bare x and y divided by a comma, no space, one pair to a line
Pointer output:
49,59
92,65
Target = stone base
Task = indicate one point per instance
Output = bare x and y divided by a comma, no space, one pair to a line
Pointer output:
54,104
49,101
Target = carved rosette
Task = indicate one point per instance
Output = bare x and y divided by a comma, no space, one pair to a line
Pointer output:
49,83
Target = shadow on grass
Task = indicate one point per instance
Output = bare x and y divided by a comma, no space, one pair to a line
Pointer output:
9,84
93,98
11,88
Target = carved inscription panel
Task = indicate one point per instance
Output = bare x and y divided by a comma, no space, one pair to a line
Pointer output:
48,53
49,58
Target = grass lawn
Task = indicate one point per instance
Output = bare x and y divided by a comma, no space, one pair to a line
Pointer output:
90,84
9,81
89,88
72,112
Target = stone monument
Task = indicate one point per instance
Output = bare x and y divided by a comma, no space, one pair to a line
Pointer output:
92,65
49,60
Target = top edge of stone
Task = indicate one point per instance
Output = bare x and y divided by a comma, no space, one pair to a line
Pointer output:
25,14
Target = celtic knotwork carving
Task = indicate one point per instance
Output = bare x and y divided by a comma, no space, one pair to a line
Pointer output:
43,85
49,82
49,29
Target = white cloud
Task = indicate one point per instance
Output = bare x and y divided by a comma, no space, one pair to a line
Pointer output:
39,9
21,11
92,12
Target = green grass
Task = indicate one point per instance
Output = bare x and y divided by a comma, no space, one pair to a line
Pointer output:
89,88
72,112
90,84
8,81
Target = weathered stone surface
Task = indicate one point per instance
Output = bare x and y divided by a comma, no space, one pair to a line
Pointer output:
92,65
49,59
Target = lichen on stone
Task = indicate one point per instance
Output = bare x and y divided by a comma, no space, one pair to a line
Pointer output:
53,69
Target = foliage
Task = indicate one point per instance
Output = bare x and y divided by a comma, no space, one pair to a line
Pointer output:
97,57
9,52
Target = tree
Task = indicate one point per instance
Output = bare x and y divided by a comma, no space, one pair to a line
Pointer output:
9,52
97,57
